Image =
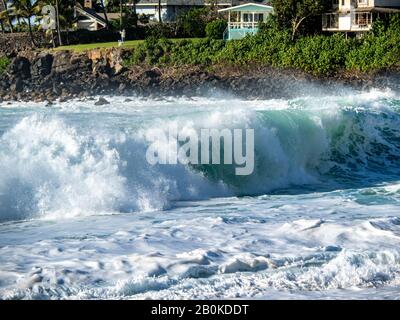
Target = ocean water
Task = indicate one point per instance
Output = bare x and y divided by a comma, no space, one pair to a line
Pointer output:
83,215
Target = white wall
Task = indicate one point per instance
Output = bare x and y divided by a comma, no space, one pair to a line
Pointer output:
344,22
151,10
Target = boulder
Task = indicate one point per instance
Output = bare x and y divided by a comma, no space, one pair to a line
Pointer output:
20,67
42,66
101,102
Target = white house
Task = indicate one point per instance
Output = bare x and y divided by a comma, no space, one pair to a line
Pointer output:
170,9
245,19
88,18
356,15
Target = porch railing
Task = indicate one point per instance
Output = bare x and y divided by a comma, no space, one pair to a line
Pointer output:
243,25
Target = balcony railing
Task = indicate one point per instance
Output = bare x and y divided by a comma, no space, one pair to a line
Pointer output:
243,25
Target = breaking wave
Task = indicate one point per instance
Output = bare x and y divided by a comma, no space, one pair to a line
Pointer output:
50,167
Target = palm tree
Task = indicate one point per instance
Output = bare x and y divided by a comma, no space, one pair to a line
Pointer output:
58,23
27,9
66,16
7,14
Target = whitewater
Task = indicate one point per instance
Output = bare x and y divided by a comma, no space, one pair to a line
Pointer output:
83,215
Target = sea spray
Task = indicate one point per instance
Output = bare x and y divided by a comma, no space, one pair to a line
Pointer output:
318,218
55,166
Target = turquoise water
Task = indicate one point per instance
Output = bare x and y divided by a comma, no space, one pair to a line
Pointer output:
84,215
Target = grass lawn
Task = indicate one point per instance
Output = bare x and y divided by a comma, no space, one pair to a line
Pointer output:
84,47
89,46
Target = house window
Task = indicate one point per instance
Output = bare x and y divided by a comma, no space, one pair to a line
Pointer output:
247,17
258,17
330,21
363,19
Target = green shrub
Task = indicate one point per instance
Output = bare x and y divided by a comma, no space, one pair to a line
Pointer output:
318,54
4,62
193,23
215,29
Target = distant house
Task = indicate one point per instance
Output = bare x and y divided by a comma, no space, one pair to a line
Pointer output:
245,19
89,19
356,16
171,9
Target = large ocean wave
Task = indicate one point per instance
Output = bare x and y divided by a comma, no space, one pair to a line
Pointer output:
52,167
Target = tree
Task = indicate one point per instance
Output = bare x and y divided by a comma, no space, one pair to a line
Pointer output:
7,15
293,13
58,23
193,23
27,9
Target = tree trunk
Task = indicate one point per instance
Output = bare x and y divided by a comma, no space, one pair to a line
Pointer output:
60,43
296,25
2,27
105,14
159,11
30,32
8,16
135,12
120,13
53,43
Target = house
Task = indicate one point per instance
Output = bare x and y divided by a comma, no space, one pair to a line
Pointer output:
171,9
89,19
357,16
245,19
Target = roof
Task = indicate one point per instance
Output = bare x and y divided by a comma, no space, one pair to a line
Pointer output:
110,15
91,14
386,9
254,7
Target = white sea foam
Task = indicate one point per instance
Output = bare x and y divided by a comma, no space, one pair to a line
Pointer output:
319,217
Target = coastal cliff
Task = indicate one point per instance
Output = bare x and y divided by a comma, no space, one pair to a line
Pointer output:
50,75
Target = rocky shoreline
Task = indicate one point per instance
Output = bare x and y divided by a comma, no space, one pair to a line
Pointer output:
63,75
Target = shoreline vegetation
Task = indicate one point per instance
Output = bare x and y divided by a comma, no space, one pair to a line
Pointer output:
264,65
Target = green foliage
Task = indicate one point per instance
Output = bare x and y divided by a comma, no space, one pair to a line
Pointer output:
181,52
4,62
295,14
215,29
318,54
379,49
161,30
128,20
193,23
